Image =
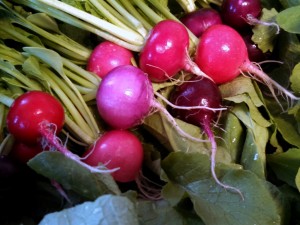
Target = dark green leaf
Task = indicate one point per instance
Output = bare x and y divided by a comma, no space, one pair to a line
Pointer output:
286,165
216,205
73,176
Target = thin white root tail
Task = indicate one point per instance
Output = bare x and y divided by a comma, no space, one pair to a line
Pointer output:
171,119
213,162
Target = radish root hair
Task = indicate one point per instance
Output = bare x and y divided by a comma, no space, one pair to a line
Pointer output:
213,162
254,21
158,107
50,140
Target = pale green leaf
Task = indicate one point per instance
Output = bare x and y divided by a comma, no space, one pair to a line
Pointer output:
289,19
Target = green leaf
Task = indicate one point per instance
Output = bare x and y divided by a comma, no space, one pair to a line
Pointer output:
285,165
297,181
264,35
295,79
107,209
289,19
161,212
215,205
73,176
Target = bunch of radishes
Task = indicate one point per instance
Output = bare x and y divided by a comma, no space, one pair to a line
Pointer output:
125,96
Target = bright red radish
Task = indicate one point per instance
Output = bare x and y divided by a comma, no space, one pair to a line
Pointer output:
117,149
29,110
235,13
200,92
125,97
198,21
36,117
222,55
106,56
165,52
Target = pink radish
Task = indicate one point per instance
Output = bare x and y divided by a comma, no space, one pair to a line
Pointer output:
165,52
125,98
106,56
200,92
222,55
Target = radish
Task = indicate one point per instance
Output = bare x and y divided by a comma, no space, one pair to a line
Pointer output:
235,13
198,21
106,56
35,117
165,52
117,149
23,152
222,55
125,97
200,92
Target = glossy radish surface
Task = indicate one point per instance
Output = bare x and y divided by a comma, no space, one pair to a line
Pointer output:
27,113
117,149
198,21
106,56
222,54
165,51
124,97
236,12
200,92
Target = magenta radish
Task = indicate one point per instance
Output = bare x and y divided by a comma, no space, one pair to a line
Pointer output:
198,21
35,118
235,13
117,149
222,55
106,56
200,92
165,52
125,97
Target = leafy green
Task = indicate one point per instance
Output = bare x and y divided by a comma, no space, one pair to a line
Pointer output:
264,35
214,204
107,209
289,19
286,165
73,176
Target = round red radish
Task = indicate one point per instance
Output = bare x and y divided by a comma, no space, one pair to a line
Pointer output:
124,97
200,92
222,55
117,149
165,52
198,21
29,110
106,56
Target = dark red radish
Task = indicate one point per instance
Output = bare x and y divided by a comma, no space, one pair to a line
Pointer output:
117,149
254,52
200,92
106,56
222,55
36,117
23,152
165,52
125,97
235,13
198,21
